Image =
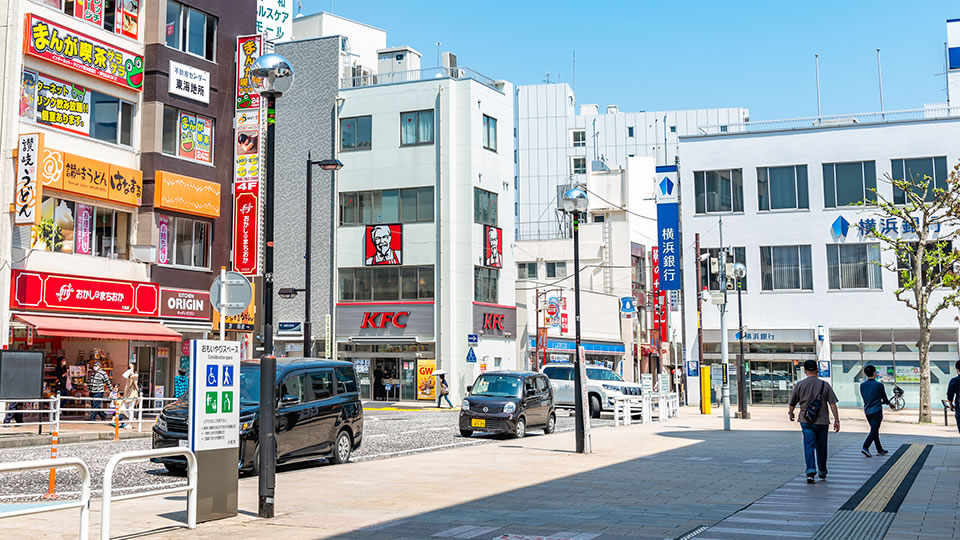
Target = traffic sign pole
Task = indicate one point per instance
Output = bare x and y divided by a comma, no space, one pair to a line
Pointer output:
223,298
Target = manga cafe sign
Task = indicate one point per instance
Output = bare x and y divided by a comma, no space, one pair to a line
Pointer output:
60,45
58,292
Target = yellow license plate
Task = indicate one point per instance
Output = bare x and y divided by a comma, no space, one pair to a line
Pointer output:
478,422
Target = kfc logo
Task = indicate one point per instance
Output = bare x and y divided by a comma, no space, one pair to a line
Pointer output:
492,246
380,319
382,245
493,321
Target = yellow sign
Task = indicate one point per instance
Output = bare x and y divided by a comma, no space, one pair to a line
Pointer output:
242,322
187,194
91,178
426,382
126,185
85,176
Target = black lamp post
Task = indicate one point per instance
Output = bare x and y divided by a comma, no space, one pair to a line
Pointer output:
739,271
575,203
273,75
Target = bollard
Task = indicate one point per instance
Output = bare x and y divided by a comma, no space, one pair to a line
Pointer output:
116,424
704,389
54,439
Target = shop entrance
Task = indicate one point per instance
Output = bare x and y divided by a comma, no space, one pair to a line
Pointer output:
771,381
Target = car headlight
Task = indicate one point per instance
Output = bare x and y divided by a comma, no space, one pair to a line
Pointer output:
161,424
612,388
509,407
465,406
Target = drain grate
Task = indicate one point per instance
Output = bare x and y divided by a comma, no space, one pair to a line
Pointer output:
693,533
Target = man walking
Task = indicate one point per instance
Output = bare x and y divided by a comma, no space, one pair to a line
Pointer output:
953,395
98,384
874,398
811,394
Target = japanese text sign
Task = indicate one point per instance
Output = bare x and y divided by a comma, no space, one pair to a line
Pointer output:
27,193
668,228
214,418
91,178
57,103
246,210
275,19
248,50
58,292
79,52
189,82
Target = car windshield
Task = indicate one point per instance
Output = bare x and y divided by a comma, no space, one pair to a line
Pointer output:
497,386
249,383
600,374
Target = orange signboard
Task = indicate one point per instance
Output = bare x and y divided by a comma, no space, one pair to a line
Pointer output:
90,178
85,176
126,185
187,194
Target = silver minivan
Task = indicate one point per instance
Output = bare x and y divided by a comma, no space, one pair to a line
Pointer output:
603,385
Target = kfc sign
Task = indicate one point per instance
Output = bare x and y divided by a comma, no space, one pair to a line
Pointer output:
383,245
380,319
184,304
57,292
492,320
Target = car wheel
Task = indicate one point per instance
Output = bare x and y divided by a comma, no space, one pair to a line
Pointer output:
466,433
594,407
343,447
521,428
179,470
254,469
551,425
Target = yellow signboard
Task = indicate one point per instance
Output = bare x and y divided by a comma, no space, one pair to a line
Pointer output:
242,322
426,382
187,194
91,178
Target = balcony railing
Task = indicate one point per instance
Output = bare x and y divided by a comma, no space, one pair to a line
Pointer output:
815,122
544,230
417,75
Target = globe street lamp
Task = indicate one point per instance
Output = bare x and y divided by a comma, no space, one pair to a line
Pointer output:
575,203
739,272
272,76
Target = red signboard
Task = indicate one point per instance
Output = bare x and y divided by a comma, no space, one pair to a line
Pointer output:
246,210
564,326
380,319
184,304
58,292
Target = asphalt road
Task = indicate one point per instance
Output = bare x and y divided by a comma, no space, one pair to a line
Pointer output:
387,434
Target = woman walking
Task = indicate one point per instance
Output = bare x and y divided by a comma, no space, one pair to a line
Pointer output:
61,372
443,391
131,392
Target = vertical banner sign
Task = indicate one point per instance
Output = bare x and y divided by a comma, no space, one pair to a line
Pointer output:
163,245
83,244
248,50
27,194
655,291
214,395
246,206
426,384
668,228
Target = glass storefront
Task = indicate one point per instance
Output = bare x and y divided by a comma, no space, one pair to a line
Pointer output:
773,367
387,371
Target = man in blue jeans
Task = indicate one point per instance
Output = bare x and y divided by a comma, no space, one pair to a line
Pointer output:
815,430
874,398
953,395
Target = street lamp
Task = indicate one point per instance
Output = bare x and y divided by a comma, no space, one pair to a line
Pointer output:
326,165
739,272
272,76
575,203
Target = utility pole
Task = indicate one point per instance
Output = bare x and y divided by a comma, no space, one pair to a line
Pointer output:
699,313
724,339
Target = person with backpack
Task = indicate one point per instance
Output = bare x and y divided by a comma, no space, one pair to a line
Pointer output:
813,395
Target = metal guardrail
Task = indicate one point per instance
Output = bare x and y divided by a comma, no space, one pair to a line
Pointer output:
929,113
668,406
425,74
83,504
190,488
52,411
56,409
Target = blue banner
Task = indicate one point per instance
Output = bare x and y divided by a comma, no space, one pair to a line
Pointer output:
668,228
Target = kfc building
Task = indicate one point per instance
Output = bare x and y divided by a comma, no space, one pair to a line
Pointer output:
424,225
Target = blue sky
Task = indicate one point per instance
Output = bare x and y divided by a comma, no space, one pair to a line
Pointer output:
686,54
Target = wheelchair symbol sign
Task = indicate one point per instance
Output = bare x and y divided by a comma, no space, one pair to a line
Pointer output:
212,375
227,379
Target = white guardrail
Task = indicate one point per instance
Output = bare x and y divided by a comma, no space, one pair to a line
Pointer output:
190,488
55,411
83,504
624,407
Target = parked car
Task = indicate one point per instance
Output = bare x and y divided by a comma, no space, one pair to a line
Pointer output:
603,385
319,414
508,402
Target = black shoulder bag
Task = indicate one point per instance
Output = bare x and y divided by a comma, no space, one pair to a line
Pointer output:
813,408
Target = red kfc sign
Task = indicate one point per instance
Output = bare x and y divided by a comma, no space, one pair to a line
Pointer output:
57,292
383,244
246,207
493,321
380,319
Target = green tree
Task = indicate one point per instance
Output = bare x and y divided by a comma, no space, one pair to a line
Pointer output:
927,281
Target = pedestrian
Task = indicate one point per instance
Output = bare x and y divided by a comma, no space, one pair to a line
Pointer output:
13,413
61,372
874,398
98,384
131,391
180,383
812,394
953,395
378,390
443,391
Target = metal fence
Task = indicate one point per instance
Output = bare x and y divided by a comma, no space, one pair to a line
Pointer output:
417,75
929,113
83,504
53,412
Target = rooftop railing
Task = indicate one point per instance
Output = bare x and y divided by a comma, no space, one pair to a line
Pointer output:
816,122
425,74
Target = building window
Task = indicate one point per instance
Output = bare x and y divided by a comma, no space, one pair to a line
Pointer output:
917,170
711,279
673,129
579,137
490,133
851,183
719,191
629,131
72,227
484,207
416,128
579,165
905,262
191,30
356,133
599,218
853,266
527,270
556,269
485,284
187,135
786,268
408,205
190,243
386,283
780,188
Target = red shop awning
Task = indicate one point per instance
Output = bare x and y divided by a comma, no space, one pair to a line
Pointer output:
99,328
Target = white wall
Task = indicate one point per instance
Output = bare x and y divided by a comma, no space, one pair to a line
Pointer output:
364,39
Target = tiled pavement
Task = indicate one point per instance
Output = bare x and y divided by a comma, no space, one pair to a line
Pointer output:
931,510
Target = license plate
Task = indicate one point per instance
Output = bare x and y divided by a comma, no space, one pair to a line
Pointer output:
478,422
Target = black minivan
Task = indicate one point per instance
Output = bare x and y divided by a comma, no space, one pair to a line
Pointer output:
319,414
508,402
